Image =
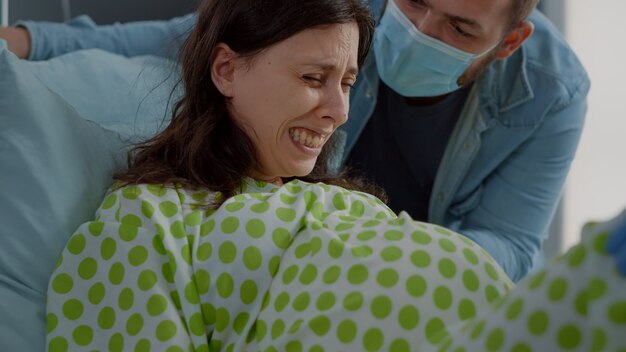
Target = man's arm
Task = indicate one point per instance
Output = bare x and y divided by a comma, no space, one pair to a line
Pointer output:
519,198
45,40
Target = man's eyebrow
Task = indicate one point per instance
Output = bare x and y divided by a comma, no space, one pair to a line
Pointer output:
464,20
467,21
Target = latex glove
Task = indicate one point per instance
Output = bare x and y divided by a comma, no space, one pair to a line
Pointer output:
616,246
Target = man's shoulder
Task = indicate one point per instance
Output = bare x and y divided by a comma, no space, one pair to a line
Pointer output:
548,53
376,6
544,71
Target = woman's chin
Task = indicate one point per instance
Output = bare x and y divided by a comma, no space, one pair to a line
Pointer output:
301,170
296,168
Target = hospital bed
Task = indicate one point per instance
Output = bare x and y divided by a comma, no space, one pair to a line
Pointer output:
65,127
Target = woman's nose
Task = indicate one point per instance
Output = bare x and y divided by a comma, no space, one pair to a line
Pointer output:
336,105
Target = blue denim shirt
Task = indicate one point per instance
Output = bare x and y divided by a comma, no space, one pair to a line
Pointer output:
162,38
505,165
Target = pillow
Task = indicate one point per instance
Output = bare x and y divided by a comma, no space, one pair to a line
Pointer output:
65,127
125,95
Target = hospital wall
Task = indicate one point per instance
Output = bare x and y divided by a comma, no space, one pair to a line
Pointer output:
596,187
101,11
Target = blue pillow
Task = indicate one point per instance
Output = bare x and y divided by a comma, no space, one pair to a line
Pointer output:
125,95
65,127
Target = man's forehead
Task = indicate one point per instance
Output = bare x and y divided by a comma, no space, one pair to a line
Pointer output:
484,13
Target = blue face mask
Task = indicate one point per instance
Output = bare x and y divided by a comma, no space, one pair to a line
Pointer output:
414,64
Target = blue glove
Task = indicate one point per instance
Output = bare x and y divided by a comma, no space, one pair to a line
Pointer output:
616,246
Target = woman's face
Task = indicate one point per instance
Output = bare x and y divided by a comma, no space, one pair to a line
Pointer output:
292,96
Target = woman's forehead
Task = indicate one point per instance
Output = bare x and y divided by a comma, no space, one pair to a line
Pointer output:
328,44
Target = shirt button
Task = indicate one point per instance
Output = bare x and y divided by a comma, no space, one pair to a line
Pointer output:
467,146
441,197
368,94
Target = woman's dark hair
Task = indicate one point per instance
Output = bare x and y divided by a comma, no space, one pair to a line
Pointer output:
202,146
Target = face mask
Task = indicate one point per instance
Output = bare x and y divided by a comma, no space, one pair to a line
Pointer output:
414,64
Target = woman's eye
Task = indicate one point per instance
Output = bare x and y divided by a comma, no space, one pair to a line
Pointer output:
312,79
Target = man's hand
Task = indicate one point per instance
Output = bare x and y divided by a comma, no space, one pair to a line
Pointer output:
18,40
616,246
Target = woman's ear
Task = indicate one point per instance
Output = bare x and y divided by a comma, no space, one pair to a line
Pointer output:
223,69
515,38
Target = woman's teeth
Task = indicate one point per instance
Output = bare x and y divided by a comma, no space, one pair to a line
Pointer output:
307,138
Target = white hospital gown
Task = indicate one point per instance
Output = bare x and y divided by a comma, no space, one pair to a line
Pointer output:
310,267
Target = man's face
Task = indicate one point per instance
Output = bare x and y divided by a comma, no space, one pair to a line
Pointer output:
473,26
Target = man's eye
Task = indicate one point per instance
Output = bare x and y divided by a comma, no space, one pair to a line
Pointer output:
419,3
460,30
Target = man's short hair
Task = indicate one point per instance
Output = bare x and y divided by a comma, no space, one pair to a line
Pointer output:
520,10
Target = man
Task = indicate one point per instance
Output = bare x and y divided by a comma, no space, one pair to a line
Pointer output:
468,112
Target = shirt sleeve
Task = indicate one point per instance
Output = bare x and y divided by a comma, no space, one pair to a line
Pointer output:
519,198
160,38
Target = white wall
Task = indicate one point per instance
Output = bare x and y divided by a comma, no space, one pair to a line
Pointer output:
596,187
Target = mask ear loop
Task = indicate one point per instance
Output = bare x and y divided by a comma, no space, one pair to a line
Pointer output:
484,53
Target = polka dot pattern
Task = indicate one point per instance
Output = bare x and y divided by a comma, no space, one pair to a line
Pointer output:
304,267
566,306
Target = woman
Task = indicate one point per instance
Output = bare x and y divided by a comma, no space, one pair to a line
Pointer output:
217,237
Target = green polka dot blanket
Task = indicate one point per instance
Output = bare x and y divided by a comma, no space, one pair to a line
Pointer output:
310,267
